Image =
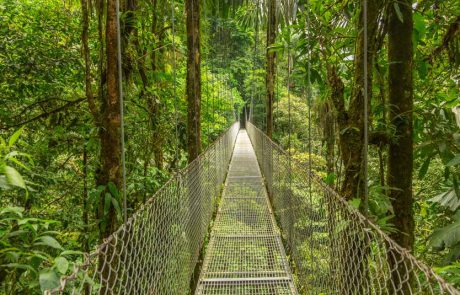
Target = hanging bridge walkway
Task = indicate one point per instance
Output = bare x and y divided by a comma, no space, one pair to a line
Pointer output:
260,205
245,254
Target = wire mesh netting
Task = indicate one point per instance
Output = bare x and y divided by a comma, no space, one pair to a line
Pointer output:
156,250
245,254
333,247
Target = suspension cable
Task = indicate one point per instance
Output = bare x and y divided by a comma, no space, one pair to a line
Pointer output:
208,124
197,124
122,117
309,101
256,51
309,90
213,91
206,69
366,107
256,37
176,118
277,96
288,84
219,93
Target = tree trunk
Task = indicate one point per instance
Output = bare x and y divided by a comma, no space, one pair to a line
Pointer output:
158,132
193,78
110,155
355,246
383,122
329,137
271,56
101,63
400,154
110,133
128,27
352,131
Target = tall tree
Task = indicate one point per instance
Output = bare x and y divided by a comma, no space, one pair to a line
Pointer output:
193,78
400,154
351,140
351,120
271,59
107,117
156,102
110,156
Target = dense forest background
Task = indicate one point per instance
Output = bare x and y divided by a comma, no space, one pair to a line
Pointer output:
292,67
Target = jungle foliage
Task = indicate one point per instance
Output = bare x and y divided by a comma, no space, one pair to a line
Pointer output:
57,203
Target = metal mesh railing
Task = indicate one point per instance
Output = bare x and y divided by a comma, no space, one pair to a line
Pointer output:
335,249
156,250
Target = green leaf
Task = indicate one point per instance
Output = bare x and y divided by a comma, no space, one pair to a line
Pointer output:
447,199
330,178
419,23
71,252
15,154
4,182
94,195
15,210
455,161
424,168
117,208
13,177
355,202
448,236
15,137
422,68
19,266
62,264
113,190
50,242
17,233
398,11
19,163
48,280
107,201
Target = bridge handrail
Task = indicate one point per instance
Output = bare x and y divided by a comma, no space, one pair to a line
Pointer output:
174,221
389,268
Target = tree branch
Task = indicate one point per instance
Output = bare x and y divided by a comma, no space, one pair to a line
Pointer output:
45,115
452,32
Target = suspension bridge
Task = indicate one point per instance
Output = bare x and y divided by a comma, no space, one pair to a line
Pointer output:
275,228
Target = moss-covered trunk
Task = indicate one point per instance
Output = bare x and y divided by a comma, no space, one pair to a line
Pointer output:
353,244
271,57
109,133
193,78
400,153
351,125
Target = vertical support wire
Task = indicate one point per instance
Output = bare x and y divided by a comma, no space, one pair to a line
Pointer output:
213,99
277,96
208,124
122,116
309,101
206,69
176,118
366,108
290,193
256,33
288,84
197,124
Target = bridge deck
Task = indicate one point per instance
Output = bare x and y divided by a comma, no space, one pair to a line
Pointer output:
245,255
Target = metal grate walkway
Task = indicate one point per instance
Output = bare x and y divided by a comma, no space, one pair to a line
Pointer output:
245,255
